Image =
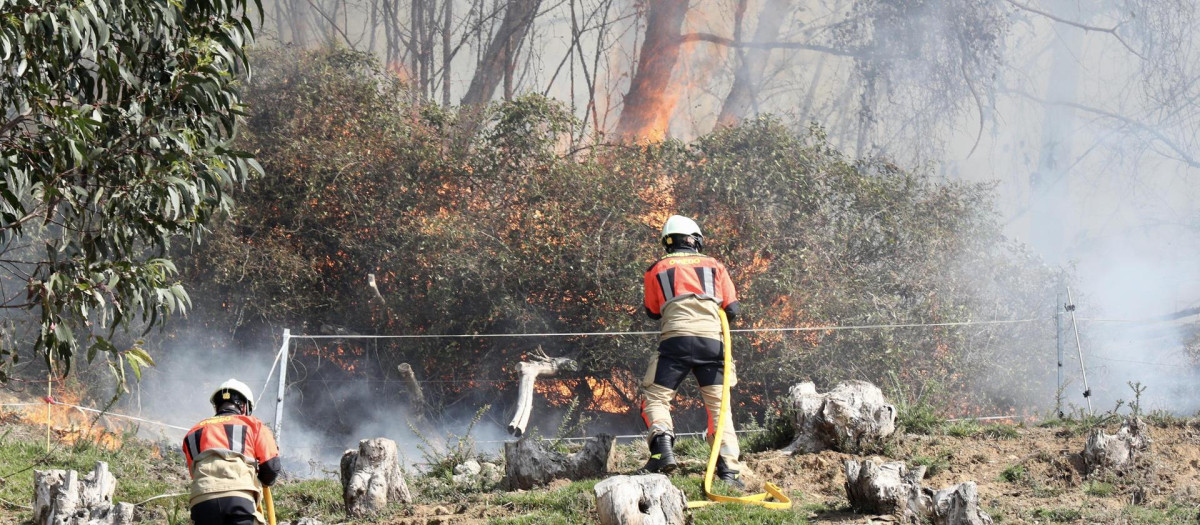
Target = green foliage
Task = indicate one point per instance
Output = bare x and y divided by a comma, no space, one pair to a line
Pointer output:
1015,474
933,464
915,412
1099,489
691,447
115,139
573,503
964,428
1001,431
439,460
1060,514
308,498
138,465
1170,511
778,429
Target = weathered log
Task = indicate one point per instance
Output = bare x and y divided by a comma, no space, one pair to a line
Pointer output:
541,365
850,418
530,462
62,498
372,478
648,499
888,488
416,397
1116,451
957,505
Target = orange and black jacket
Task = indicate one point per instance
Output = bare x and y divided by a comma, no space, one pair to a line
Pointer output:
687,274
230,452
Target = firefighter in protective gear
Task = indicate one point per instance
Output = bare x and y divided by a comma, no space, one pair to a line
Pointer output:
231,457
684,290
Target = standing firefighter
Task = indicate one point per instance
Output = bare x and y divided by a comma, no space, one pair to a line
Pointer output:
685,290
230,457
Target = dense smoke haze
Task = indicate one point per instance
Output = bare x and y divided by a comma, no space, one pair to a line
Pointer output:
1081,112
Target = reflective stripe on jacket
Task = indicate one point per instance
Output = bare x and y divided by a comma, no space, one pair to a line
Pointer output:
685,289
224,452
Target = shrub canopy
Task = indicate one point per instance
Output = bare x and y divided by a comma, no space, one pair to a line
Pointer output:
514,231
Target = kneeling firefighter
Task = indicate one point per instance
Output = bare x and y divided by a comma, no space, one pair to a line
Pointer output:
685,290
231,457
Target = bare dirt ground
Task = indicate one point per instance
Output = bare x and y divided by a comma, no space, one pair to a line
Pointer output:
1035,476
1024,475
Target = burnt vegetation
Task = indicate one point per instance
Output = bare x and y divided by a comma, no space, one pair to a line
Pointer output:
508,230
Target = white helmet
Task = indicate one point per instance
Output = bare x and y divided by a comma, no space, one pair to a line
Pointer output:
223,393
680,225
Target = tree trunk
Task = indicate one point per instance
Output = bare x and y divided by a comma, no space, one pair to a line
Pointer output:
61,498
641,500
651,98
447,51
518,16
1050,185
748,78
298,9
372,478
529,463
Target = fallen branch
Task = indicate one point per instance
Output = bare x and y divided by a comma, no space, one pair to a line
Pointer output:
541,365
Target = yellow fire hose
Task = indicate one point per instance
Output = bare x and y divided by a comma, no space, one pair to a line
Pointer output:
269,505
772,491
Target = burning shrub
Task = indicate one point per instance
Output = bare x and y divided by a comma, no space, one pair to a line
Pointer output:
504,231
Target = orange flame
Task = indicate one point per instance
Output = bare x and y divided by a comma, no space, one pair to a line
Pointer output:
71,425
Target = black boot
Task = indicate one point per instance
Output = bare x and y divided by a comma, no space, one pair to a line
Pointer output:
731,477
662,456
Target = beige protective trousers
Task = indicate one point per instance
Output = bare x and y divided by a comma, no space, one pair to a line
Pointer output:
656,409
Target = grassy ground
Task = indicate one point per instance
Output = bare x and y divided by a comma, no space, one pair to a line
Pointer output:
1025,474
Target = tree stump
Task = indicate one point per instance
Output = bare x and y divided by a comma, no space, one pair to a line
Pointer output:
541,365
849,418
648,499
888,488
958,505
530,462
371,477
892,489
62,498
1109,451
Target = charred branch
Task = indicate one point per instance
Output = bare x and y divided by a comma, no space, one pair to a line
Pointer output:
725,41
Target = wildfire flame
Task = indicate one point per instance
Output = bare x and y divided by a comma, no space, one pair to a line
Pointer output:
71,425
